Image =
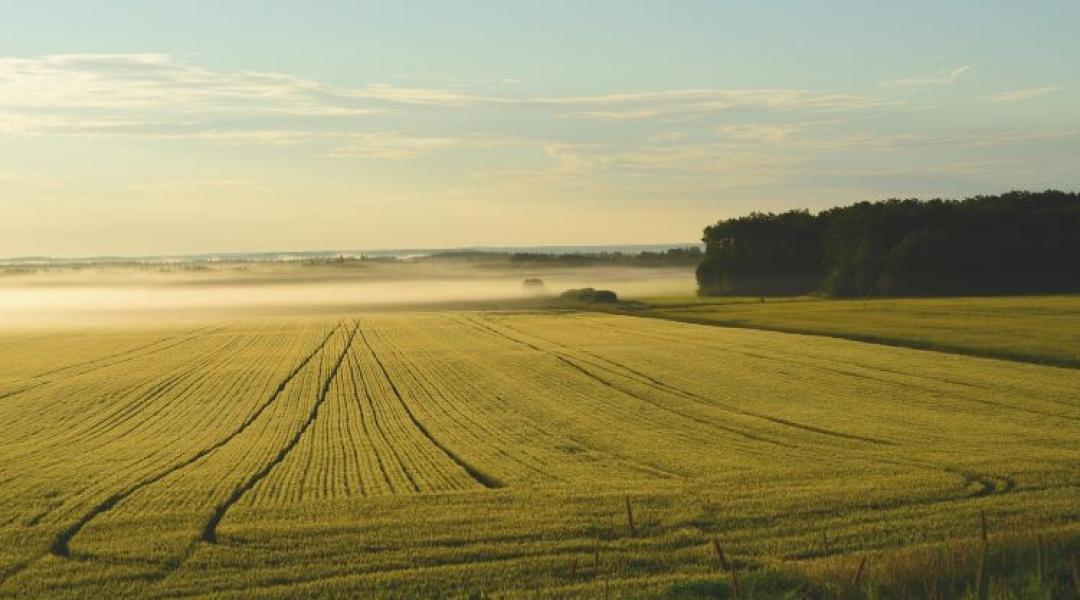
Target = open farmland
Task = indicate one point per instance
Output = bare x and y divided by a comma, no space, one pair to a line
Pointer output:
402,454
1039,329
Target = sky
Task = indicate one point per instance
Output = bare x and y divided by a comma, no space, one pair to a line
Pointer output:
163,127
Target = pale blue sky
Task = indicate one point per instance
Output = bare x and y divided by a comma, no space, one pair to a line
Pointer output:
152,126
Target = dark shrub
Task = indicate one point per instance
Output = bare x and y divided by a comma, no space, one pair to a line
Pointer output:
590,295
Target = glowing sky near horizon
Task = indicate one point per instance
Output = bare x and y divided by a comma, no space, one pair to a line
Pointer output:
153,127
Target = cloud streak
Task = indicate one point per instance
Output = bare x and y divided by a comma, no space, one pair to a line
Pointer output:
128,82
704,101
157,95
507,141
1025,94
397,146
941,78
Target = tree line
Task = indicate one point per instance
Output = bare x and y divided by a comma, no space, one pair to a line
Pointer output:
672,257
1019,242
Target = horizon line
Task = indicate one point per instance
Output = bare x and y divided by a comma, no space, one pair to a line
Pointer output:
194,256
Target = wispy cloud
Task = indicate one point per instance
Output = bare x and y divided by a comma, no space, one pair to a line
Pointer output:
593,166
459,82
128,82
1025,94
941,78
732,157
707,138
50,121
158,95
759,132
390,145
397,146
872,141
242,137
704,101
820,135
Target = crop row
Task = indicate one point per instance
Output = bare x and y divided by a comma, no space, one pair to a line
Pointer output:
255,453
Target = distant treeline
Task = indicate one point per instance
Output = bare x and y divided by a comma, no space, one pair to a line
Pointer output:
1019,242
688,256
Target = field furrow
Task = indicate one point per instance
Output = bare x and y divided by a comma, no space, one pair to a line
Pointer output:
386,452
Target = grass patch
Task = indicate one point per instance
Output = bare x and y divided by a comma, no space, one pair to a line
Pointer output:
1036,329
1020,566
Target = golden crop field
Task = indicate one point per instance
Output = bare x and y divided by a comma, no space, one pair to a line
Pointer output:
1038,329
448,453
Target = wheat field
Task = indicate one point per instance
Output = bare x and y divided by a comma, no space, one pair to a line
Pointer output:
1038,329
447,453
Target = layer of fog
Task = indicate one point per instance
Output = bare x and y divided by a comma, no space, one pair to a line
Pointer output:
110,295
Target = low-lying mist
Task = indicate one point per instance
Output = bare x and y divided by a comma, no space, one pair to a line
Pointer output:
119,294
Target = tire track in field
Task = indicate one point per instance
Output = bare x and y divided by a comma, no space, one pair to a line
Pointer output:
23,389
711,402
149,417
354,374
890,382
60,545
13,570
510,554
634,464
989,484
696,398
570,363
210,368
433,382
209,531
377,426
483,479
187,337
182,381
123,413
746,413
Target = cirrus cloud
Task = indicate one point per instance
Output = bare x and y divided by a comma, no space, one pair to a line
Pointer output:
1025,94
158,95
941,78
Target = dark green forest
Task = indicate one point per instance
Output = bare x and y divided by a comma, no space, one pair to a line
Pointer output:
1019,242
